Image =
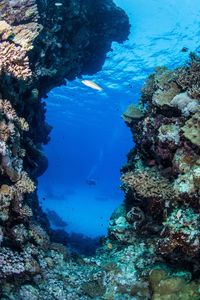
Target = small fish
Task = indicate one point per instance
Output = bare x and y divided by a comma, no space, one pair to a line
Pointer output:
130,85
184,49
109,246
91,182
58,4
178,215
92,85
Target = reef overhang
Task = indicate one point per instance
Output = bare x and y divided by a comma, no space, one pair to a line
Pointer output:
42,43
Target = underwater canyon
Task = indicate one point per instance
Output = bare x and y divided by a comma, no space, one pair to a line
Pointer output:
152,249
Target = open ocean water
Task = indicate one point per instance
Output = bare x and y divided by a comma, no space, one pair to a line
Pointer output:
89,141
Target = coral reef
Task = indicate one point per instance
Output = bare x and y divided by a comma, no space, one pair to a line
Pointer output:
157,228
175,286
161,178
39,49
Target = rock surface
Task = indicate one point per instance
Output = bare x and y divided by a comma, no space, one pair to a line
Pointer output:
42,43
153,247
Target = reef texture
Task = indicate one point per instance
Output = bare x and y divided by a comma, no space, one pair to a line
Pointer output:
153,249
42,43
161,180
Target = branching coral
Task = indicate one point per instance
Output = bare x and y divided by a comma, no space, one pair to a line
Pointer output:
10,134
14,61
16,12
25,34
5,30
7,109
24,184
148,184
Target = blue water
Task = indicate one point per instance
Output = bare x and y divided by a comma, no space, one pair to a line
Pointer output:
89,139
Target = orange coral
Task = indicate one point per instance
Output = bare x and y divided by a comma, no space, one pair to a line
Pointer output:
14,61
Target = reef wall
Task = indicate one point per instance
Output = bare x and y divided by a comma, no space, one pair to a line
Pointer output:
161,182
161,179
153,248
42,43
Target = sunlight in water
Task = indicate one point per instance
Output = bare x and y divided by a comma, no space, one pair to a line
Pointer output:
89,124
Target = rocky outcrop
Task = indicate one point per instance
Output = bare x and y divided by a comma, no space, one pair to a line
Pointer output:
42,43
161,178
153,248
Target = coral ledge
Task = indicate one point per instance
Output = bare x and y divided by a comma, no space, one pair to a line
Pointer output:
152,250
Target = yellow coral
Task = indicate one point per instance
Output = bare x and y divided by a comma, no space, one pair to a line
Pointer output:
191,129
25,184
5,30
23,124
25,34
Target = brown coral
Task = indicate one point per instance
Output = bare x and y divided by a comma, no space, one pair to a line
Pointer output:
6,196
148,184
15,12
25,34
5,30
188,77
164,182
25,184
181,232
132,114
7,109
172,286
191,129
14,61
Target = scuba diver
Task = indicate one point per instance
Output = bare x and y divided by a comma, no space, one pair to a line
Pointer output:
91,182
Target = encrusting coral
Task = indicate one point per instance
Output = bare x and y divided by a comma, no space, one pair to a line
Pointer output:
39,48
157,225
191,129
164,168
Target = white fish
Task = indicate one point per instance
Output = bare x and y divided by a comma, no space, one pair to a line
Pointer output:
92,85
179,214
58,4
